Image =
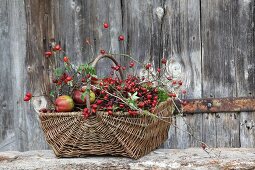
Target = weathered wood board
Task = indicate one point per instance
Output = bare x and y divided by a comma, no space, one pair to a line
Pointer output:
211,43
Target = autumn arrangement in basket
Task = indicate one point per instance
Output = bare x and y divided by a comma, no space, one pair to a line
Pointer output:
122,114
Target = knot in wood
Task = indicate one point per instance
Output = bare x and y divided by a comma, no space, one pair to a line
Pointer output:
160,12
29,69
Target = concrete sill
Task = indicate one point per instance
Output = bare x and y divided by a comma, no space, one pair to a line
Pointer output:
192,158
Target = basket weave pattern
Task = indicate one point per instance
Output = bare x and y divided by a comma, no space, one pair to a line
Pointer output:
70,135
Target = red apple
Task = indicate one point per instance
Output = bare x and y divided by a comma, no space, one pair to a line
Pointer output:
64,104
77,97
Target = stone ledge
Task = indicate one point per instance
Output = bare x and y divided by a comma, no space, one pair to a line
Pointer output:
192,158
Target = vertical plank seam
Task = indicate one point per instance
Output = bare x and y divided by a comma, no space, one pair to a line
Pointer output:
201,69
253,35
161,45
201,46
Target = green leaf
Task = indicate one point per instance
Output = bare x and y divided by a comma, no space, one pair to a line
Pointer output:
83,96
87,69
70,83
67,66
58,72
133,96
162,95
132,103
52,93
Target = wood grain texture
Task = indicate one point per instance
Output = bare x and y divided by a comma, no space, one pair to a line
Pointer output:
181,43
227,128
142,29
244,43
209,129
7,126
37,68
247,130
218,63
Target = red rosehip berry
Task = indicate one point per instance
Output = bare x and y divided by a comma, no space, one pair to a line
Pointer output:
131,64
174,82
93,111
203,146
26,98
48,53
132,112
102,51
88,76
156,91
109,108
28,94
83,80
64,76
117,68
149,96
69,78
55,81
118,88
141,104
106,25
121,105
44,110
163,61
184,91
169,78
86,112
123,68
66,59
158,70
121,37
103,92
59,82
172,95
94,106
109,112
57,47
148,66
180,82
99,102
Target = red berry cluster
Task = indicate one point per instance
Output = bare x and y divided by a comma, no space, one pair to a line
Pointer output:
56,47
64,78
113,93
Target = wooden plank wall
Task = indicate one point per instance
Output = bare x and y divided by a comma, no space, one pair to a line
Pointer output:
211,42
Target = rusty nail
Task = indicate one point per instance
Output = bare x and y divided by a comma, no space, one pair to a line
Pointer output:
209,105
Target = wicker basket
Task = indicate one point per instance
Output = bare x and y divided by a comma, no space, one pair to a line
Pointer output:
70,135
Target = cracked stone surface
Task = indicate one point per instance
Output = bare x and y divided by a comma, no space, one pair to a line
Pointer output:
192,158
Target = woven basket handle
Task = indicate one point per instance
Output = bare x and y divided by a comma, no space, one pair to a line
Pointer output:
99,57
93,64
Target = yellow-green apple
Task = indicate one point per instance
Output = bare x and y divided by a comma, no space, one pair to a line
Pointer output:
64,104
77,97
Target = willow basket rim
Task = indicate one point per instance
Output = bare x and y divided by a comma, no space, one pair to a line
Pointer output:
158,109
